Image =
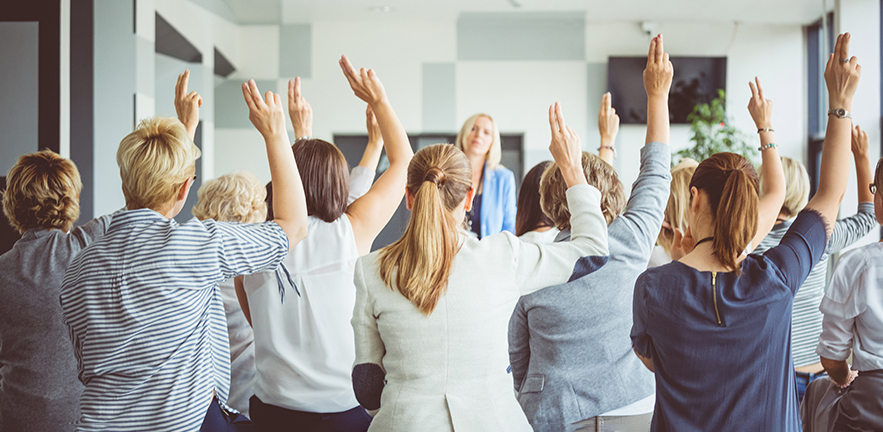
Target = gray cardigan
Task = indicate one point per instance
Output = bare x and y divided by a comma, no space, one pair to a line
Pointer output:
40,390
569,344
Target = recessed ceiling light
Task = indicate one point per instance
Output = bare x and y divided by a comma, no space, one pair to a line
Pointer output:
381,9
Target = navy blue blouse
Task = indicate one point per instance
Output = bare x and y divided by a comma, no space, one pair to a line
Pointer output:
721,343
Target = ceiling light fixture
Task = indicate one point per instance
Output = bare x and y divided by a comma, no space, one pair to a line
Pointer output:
381,9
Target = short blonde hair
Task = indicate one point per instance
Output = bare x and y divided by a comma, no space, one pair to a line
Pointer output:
796,186
553,197
42,192
237,197
678,202
155,160
495,153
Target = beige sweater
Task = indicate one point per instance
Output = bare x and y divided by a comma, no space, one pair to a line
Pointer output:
448,371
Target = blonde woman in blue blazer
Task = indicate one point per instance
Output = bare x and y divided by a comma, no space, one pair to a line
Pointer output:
493,206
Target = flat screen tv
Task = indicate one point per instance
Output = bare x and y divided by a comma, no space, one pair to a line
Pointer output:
696,80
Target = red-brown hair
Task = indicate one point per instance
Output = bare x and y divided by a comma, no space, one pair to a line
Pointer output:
730,182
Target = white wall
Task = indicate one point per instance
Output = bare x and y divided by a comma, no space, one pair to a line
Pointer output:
518,94
861,18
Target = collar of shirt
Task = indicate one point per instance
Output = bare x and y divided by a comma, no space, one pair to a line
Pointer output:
144,215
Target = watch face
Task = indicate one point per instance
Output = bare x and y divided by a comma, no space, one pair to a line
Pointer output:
841,112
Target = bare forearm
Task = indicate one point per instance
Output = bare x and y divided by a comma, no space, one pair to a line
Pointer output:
289,203
863,177
838,370
658,128
395,140
834,168
371,156
605,151
773,174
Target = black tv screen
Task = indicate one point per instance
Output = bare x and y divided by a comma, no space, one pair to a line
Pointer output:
696,80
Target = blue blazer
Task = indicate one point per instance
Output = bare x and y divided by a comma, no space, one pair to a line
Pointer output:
497,201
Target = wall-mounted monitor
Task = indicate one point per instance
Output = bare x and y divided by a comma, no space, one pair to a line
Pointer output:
696,80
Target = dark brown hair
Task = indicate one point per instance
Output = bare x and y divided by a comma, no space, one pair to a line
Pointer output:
530,214
325,175
419,263
730,182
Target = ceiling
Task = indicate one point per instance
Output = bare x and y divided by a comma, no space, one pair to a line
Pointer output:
746,11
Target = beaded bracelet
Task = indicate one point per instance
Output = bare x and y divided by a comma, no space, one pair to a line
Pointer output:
767,146
849,379
611,148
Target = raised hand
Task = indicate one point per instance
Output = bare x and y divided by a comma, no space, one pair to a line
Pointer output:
300,111
860,142
842,74
659,72
374,136
608,120
682,244
266,114
187,104
565,148
364,83
761,109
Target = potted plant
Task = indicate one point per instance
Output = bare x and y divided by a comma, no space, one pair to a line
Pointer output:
713,132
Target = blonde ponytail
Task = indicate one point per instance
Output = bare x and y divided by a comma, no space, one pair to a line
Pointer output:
419,263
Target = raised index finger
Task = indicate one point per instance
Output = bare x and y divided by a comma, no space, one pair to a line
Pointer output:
660,51
844,46
837,48
348,70
562,125
605,101
651,56
753,89
297,88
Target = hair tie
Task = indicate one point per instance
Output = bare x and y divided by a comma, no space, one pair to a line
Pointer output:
436,175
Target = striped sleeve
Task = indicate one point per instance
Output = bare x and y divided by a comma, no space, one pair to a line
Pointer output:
248,248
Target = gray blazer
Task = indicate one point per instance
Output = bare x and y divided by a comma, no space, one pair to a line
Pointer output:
569,344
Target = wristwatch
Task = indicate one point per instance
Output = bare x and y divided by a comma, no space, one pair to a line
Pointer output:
840,113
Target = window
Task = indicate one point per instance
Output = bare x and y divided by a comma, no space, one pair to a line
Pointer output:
817,56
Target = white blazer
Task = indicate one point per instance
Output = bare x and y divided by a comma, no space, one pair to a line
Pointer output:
448,371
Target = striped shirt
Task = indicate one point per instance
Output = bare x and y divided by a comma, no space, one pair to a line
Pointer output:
147,321
806,320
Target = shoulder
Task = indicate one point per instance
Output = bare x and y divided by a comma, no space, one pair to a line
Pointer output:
858,260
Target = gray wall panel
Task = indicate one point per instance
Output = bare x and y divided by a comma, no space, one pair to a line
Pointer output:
439,97
144,51
521,36
19,85
230,109
115,86
295,50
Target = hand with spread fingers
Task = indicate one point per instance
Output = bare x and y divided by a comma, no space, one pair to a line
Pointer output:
267,114
842,74
860,142
187,104
371,155
565,148
659,72
364,82
760,108
299,110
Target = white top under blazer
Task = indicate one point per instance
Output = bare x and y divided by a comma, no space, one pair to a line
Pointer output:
304,345
448,371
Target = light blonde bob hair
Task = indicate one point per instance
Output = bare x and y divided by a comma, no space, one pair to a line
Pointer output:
155,160
796,186
495,153
237,197
553,188
678,202
419,263
42,192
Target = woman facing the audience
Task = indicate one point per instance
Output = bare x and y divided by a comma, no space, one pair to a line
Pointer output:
493,204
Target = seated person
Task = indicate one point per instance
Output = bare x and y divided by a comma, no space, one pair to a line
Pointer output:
38,372
531,224
675,223
237,197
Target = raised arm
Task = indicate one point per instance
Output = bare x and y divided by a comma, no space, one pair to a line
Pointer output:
860,145
371,156
187,104
849,230
370,213
773,194
842,79
608,126
299,110
289,203
657,81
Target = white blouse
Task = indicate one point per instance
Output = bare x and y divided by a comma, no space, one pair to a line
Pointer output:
853,308
241,349
304,347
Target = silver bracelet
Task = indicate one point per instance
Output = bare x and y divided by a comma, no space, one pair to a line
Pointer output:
302,138
765,130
